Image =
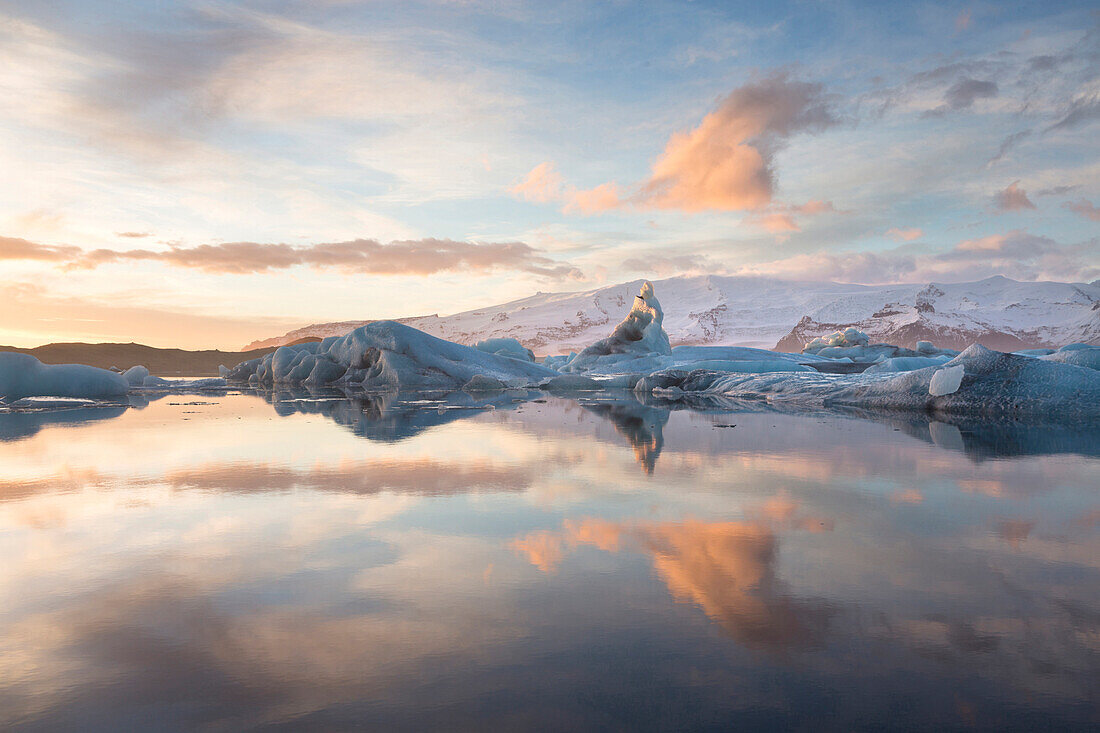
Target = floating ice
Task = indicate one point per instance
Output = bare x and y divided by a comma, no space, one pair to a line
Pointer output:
906,363
995,383
21,375
386,355
640,334
572,383
482,383
135,376
850,336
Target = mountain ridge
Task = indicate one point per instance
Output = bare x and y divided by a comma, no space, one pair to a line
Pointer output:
998,312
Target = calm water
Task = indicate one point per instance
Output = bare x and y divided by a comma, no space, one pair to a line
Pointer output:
227,562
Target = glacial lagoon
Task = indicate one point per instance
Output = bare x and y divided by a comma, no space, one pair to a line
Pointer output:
306,560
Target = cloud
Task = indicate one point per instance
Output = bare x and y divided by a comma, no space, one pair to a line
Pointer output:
962,94
14,248
962,21
542,184
1007,144
1012,198
1082,111
1085,209
781,219
665,266
1056,190
723,164
594,200
134,235
904,235
776,223
406,257
1017,254
726,163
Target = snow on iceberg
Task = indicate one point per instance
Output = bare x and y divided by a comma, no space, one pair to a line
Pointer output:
989,382
385,355
847,338
506,347
1082,355
854,344
22,375
906,363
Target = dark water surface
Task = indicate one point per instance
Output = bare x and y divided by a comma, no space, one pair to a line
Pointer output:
242,561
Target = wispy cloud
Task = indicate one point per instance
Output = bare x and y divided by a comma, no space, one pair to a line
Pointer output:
904,235
408,257
1085,209
1012,198
15,248
1018,254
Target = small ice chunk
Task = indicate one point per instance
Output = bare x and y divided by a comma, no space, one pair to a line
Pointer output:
571,383
482,383
946,381
135,375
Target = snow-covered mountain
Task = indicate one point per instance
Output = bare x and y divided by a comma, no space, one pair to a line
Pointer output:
766,313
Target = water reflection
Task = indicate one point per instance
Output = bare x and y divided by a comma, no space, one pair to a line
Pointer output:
640,425
19,424
726,568
239,560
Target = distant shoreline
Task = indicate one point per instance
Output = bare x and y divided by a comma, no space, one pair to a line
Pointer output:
161,362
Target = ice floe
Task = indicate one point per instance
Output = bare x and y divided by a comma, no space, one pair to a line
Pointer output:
977,381
22,375
386,355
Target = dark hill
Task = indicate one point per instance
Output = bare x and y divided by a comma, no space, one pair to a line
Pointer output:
162,362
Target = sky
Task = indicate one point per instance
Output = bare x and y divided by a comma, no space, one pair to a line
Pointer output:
202,174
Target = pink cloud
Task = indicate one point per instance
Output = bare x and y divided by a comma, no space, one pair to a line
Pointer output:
778,223
1017,254
963,20
725,164
603,197
1085,209
407,257
542,184
14,248
1012,198
781,219
904,235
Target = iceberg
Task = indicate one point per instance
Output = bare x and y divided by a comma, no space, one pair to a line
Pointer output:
854,344
906,363
988,383
387,356
848,338
22,375
638,336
